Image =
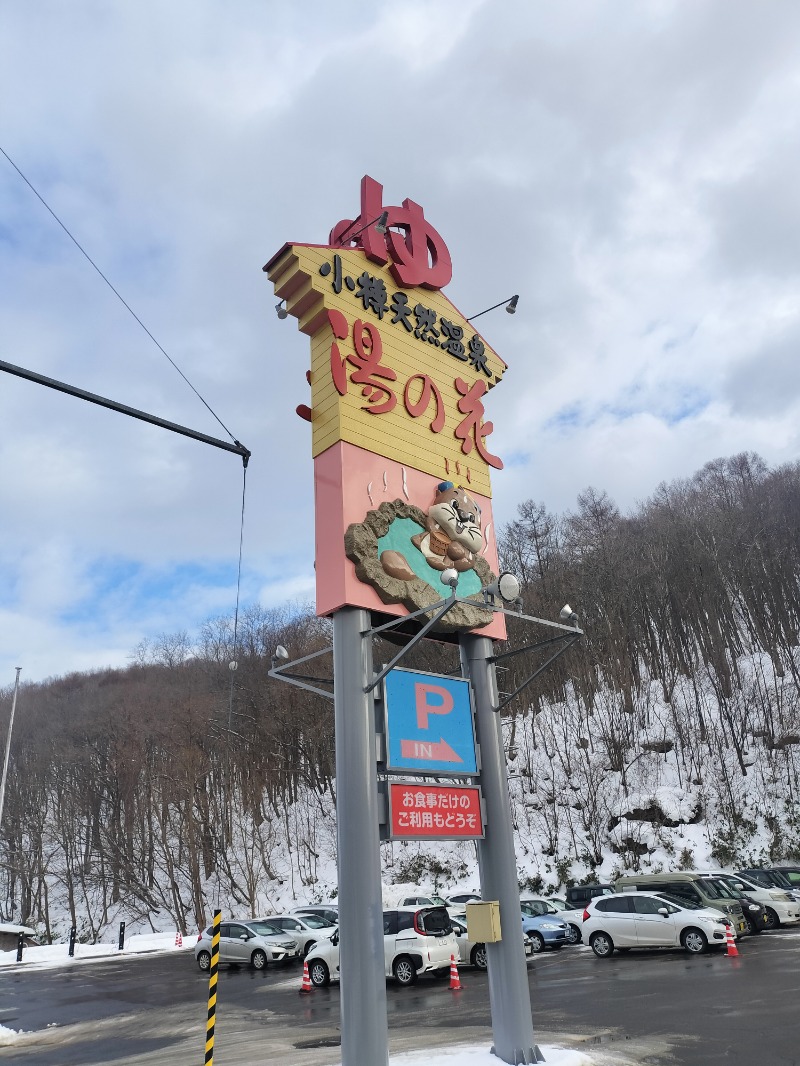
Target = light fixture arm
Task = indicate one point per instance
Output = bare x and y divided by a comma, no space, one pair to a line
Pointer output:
380,224
510,305
532,677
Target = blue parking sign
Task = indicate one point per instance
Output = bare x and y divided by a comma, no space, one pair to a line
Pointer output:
429,726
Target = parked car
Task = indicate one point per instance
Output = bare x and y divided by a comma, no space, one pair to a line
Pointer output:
578,896
329,911
544,931
558,902
791,873
416,940
646,920
461,899
689,886
573,918
422,901
304,929
779,906
755,914
471,951
537,907
254,942
772,879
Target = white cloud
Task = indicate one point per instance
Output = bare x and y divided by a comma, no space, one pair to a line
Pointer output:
628,169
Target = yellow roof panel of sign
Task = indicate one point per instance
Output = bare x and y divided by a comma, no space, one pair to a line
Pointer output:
399,372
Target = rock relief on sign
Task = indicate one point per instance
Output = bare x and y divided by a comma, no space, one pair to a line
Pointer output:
401,551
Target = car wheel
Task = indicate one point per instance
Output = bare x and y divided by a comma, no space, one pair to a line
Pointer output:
752,925
404,971
308,947
574,934
773,921
478,958
537,942
258,960
602,945
318,972
204,960
694,941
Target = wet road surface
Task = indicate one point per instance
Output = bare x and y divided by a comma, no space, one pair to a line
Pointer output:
662,1008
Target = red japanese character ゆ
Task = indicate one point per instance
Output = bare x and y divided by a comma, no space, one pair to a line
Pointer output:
419,254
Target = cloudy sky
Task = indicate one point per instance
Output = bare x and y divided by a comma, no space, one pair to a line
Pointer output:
629,168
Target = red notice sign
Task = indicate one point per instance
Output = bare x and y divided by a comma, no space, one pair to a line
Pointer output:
440,812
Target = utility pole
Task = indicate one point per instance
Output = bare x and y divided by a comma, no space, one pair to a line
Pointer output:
8,746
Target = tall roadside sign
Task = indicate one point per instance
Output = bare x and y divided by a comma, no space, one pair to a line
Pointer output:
402,448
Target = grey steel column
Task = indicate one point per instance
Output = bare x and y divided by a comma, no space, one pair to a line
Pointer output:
363,984
509,996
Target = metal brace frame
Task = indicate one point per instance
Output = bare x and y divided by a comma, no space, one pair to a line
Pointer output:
569,634
301,680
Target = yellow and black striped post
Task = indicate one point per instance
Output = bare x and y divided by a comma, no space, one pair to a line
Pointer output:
212,989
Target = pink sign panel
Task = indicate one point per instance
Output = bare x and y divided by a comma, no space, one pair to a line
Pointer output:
434,812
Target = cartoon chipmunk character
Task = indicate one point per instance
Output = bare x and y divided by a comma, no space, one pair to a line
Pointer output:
452,536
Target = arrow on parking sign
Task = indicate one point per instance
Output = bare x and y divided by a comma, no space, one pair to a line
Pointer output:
435,752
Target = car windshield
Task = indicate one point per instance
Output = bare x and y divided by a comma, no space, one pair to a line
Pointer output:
435,921
536,907
316,921
559,904
717,889
723,890
265,929
679,901
437,901
730,884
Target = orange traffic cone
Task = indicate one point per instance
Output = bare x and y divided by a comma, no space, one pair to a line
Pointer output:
455,983
306,987
179,939
730,943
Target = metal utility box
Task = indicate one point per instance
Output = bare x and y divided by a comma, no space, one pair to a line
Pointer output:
483,921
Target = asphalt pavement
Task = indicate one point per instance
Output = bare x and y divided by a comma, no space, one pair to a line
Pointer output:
661,1008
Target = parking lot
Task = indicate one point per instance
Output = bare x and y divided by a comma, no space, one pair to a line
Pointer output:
651,1006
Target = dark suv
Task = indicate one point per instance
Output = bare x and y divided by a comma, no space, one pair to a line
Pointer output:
579,895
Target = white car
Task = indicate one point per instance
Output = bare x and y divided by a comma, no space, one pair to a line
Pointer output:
305,929
422,901
457,903
781,907
651,920
471,951
574,923
415,941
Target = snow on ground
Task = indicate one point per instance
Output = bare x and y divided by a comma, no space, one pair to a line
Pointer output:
473,1056
53,955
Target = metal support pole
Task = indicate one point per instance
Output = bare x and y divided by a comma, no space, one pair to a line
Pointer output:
8,746
72,933
361,954
509,995
121,935
20,946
